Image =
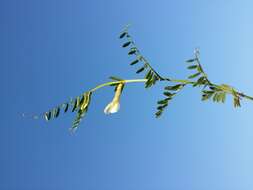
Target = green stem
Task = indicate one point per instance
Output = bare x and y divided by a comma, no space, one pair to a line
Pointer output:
145,80
230,91
180,81
136,81
165,79
246,96
117,82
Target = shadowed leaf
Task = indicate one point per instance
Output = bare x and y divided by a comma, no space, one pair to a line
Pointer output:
126,44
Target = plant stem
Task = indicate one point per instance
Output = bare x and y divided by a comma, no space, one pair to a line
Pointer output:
165,79
245,96
117,82
136,81
179,81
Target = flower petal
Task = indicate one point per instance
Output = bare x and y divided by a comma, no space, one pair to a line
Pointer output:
115,108
107,108
112,107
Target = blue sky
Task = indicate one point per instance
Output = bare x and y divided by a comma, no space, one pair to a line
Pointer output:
55,49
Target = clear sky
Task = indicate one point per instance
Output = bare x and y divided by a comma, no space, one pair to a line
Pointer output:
54,49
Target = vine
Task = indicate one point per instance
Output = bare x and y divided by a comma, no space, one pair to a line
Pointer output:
210,91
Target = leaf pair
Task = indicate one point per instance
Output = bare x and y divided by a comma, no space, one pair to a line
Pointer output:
82,109
151,78
55,112
236,99
151,75
195,65
79,104
218,94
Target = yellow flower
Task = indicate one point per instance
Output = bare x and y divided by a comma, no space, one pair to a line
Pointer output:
114,105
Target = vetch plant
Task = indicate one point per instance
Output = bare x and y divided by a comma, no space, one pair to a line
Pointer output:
198,78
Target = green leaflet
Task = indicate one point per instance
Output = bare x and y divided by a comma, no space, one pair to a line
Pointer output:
76,104
201,81
115,78
223,97
139,58
219,97
158,113
86,101
82,110
134,62
57,112
190,60
237,102
132,51
82,100
162,106
170,93
149,74
216,97
226,87
155,78
123,35
150,78
206,95
150,83
140,70
126,44
66,108
165,101
192,67
217,93
199,69
194,75
174,88
47,116
236,98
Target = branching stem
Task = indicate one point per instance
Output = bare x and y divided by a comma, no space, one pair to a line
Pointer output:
137,81
166,79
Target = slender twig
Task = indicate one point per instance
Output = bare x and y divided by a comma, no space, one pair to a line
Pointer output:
117,82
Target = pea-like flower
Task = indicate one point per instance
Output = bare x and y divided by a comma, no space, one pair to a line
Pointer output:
114,105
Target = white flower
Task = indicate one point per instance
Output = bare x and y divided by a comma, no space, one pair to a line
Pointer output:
114,105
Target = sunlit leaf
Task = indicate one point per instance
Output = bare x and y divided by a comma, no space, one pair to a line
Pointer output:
194,75
47,115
